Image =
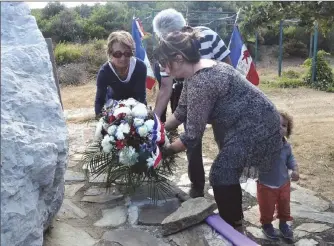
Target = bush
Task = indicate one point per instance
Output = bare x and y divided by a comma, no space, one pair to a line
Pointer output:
72,74
92,54
285,82
67,53
290,74
324,75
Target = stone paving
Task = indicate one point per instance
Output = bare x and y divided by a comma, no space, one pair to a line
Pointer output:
90,216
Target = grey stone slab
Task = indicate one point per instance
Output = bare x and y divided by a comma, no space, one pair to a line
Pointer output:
313,227
66,235
132,237
191,212
71,190
70,211
150,214
112,217
102,198
74,176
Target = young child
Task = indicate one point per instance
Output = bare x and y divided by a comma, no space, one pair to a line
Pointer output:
273,188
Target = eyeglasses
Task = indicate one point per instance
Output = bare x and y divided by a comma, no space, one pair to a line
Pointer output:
118,54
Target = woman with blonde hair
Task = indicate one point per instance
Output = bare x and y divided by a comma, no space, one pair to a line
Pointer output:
246,124
123,75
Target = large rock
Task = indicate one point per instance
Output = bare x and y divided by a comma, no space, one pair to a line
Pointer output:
190,213
34,139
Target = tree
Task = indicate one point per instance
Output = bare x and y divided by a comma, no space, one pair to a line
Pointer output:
52,9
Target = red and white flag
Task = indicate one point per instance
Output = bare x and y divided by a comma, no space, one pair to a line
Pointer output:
137,34
241,58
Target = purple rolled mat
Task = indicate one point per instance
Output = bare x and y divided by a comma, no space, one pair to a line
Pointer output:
236,238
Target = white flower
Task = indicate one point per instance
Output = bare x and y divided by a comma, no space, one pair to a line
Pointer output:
119,133
112,129
138,122
139,111
150,162
125,128
121,110
142,131
106,143
128,156
149,124
130,102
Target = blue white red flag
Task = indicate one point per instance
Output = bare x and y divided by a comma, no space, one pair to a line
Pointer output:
137,35
241,58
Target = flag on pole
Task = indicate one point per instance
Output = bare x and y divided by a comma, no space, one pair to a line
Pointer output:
137,34
241,58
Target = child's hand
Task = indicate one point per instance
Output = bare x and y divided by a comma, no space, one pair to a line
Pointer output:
295,176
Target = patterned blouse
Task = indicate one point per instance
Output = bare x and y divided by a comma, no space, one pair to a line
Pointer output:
246,123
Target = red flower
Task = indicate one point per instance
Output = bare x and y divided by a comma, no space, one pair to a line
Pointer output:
120,144
121,105
132,130
111,119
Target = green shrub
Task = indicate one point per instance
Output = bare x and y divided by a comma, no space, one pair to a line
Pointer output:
324,75
67,53
285,82
290,74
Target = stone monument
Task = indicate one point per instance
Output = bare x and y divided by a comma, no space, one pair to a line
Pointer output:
34,138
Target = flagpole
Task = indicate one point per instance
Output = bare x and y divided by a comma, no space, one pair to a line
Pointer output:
237,17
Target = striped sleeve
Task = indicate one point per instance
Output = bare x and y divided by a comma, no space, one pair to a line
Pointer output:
212,46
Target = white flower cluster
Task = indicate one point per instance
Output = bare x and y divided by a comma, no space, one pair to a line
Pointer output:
132,119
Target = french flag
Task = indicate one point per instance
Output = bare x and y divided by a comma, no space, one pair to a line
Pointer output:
137,35
241,58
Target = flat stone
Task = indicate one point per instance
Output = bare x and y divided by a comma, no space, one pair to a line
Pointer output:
252,215
307,198
76,157
300,211
188,238
132,237
74,176
195,235
190,213
300,234
133,215
184,180
107,243
102,198
219,242
95,191
210,191
112,217
71,190
306,242
63,234
70,211
313,227
256,232
71,163
250,187
150,214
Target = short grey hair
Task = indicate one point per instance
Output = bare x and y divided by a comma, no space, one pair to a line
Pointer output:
167,21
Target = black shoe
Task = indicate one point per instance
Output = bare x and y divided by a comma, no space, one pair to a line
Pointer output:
195,192
286,230
270,231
